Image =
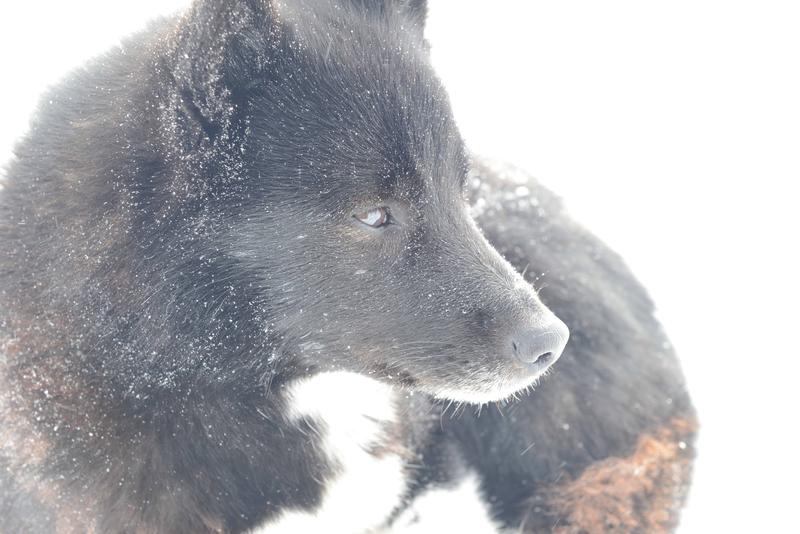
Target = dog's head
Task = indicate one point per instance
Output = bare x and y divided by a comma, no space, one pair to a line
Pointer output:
331,153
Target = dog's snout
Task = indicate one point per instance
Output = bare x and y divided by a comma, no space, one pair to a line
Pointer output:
540,345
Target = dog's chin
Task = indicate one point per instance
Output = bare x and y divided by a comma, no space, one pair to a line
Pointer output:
501,390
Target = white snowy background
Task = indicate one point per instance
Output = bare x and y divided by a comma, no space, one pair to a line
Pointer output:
672,129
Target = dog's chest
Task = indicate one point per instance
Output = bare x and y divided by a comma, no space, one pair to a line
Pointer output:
357,427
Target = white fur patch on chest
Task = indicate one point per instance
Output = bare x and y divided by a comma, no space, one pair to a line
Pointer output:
457,508
353,413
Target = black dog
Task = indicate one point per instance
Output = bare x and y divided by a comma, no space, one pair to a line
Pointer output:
242,290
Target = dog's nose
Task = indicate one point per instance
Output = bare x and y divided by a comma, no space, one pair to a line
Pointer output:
540,345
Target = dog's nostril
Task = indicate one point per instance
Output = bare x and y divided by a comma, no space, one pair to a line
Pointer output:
544,359
540,346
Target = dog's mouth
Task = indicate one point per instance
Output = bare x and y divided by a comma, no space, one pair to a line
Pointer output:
498,389
473,381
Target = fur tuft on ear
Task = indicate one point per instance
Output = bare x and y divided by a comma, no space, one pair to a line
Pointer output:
414,11
218,48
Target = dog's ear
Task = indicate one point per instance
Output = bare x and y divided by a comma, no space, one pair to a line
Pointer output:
413,11
217,49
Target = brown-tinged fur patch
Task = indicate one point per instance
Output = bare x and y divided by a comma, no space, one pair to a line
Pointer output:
34,400
642,492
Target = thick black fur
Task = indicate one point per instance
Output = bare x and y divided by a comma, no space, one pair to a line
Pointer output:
178,244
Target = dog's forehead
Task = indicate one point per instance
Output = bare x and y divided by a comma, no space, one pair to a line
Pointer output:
399,110
358,98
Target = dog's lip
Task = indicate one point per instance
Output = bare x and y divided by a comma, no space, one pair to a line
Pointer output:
527,377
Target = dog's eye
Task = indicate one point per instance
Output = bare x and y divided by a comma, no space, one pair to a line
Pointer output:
376,217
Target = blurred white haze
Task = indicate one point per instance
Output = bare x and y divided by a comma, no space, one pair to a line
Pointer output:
672,129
